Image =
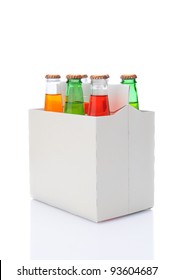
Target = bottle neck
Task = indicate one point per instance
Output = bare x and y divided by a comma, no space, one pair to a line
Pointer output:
74,82
133,95
129,81
74,90
53,86
99,87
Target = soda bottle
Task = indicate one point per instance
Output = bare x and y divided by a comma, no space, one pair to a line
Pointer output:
99,103
86,94
130,79
74,101
53,96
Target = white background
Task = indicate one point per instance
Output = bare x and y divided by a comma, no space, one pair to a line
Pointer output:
115,37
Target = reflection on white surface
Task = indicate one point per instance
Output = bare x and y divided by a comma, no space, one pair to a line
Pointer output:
56,234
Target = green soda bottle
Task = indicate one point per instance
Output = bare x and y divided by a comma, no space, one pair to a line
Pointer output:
74,101
133,95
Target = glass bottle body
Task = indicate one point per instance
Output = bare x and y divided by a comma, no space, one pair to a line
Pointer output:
53,96
74,102
99,103
86,106
86,95
133,94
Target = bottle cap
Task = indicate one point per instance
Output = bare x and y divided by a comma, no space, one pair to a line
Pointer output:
128,76
76,76
49,76
96,77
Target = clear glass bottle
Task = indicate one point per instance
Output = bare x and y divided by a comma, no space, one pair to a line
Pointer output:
130,79
53,96
74,101
86,94
99,103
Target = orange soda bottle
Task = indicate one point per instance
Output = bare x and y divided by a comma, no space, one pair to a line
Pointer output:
53,96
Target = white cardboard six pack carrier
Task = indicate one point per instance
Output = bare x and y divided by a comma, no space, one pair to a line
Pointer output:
96,167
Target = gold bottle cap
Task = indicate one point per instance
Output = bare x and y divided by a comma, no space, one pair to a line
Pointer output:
50,76
76,76
96,77
128,76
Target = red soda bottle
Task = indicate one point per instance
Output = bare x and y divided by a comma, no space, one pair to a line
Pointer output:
99,103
